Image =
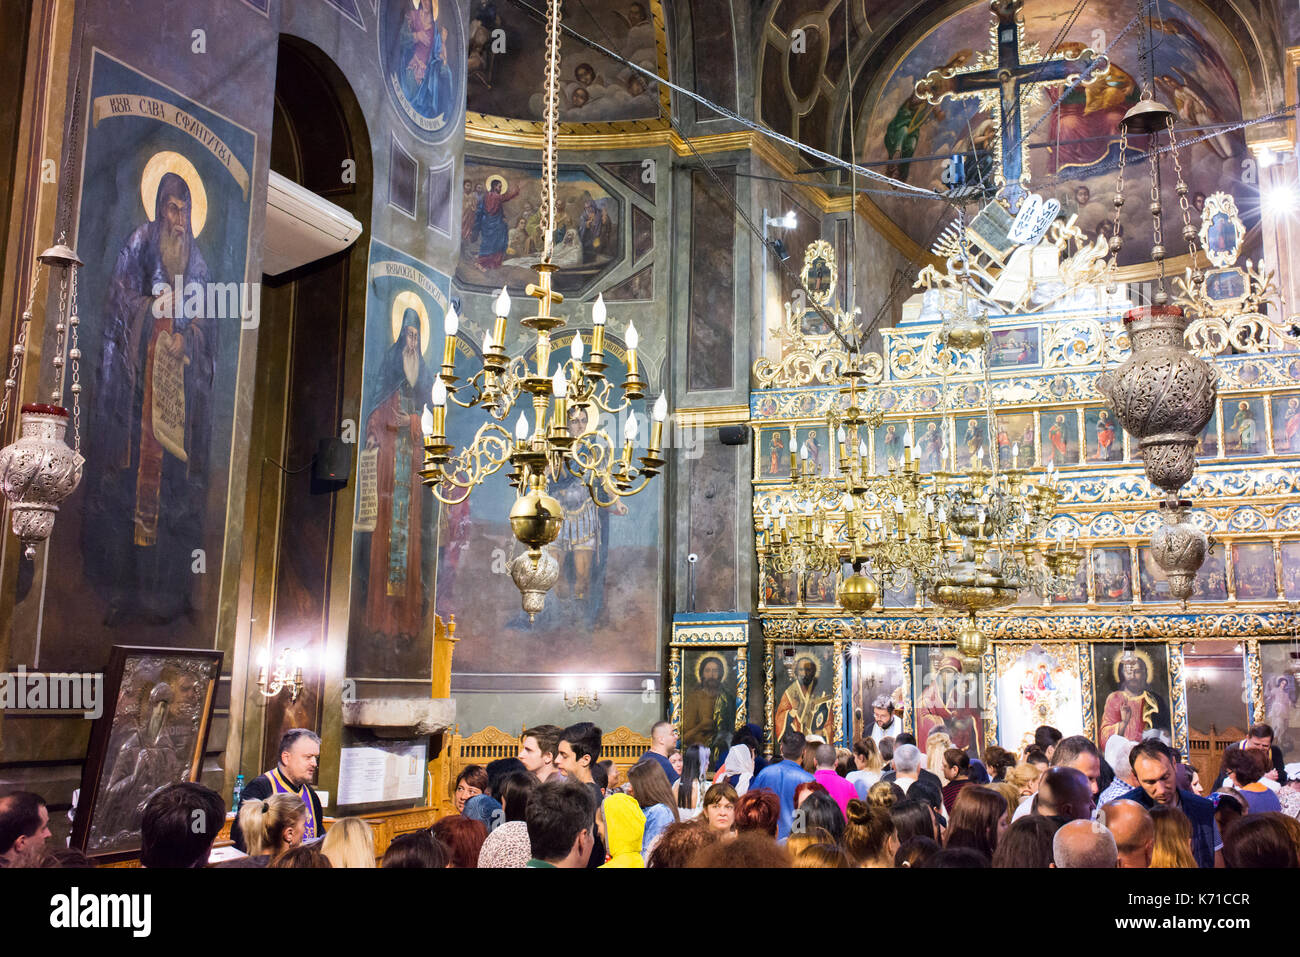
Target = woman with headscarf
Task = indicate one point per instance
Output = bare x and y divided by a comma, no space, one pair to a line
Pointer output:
624,831
738,769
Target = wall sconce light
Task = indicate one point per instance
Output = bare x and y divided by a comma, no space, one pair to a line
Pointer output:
578,697
287,674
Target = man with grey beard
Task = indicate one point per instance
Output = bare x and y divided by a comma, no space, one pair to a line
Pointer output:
394,605
151,406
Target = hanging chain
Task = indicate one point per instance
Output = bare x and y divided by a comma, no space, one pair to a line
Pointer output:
20,347
552,97
74,355
1180,185
60,333
1157,234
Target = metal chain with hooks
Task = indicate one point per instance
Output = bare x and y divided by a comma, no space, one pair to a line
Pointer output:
1180,187
20,346
60,333
1157,236
551,116
74,356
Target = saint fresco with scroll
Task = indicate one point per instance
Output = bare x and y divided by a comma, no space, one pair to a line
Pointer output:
395,590
150,414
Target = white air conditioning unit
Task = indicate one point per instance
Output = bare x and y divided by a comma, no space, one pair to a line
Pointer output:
302,227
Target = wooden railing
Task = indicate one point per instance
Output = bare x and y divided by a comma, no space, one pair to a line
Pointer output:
1205,751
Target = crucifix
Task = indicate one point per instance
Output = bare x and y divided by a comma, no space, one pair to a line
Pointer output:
1005,78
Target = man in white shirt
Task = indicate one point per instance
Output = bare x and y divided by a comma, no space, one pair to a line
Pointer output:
888,724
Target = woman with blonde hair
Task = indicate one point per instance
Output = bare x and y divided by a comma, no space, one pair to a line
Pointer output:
349,843
935,745
796,844
1173,838
272,826
1010,793
869,766
1024,777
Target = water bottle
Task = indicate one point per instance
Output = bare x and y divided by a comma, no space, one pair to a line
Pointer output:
238,793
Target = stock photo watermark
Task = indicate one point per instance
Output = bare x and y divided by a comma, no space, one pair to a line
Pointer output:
50,691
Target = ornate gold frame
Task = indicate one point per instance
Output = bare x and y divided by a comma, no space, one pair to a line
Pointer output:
1005,654
838,648
723,633
1221,204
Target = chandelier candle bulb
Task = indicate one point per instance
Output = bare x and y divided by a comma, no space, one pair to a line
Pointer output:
844,452
426,423
657,423
521,431
598,327
450,326
575,349
1015,455
438,399
560,389
633,339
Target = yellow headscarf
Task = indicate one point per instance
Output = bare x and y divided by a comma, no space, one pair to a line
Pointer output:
624,829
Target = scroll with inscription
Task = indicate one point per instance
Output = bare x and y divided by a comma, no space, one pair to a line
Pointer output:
169,397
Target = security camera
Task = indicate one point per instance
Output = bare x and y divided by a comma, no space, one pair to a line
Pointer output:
692,558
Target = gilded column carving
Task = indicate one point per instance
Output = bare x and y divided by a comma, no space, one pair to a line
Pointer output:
837,689
1086,691
1178,684
1255,681
742,688
989,679
769,690
675,686
909,723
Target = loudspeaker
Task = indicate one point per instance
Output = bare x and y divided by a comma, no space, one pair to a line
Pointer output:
333,462
733,434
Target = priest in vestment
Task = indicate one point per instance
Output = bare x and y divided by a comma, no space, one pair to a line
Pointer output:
147,477
395,592
292,774
804,707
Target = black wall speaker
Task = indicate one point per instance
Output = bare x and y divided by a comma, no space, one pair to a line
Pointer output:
733,434
333,462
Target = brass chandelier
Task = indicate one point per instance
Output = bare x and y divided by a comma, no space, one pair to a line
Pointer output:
553,443
970,540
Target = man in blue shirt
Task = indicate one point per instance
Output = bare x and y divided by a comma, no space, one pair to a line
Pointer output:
1153,766
783,777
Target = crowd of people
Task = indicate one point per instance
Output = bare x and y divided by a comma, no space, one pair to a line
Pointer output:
884,803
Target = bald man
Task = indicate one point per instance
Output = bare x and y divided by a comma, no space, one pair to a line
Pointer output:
1064,795
1133,830
1083,844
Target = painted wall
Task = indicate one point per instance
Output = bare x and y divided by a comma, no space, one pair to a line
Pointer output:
101,581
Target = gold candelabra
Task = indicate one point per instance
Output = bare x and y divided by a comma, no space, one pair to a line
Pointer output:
561,438
287,674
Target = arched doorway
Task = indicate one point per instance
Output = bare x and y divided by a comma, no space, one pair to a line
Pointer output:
298,529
